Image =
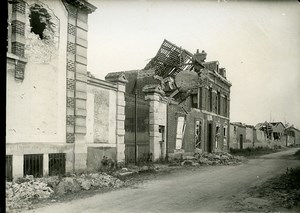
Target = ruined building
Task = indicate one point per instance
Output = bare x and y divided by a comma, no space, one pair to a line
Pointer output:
182,105
59,117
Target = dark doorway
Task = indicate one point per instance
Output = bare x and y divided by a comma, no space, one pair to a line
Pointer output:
161,130
241,141
209,138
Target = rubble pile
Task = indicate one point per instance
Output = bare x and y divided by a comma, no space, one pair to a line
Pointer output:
218,158
20,193
76,183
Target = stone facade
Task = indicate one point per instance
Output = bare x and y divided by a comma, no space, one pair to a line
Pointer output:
48,89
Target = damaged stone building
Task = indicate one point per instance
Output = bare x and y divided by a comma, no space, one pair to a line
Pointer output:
267,134
182,105
60,118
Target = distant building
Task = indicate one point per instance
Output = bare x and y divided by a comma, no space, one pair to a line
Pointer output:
292,136
237,135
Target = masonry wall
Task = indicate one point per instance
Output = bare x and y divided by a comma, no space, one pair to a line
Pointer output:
36,91
174,110
188,143
297,137
261,139
235,137
36,105
101,115
249,137
101,122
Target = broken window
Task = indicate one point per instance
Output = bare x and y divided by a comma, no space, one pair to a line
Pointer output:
276,135
219,103
216,104
40,22
217,135
225,105
194,99
180,132
234,130
225,135
200,97
210,99
198,133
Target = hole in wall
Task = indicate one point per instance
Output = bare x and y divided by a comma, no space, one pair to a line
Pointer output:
40,21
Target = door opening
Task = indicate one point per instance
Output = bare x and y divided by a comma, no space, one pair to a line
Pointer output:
209,138
241,141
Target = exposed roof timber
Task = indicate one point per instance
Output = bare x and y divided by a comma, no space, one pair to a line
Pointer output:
171,59
83,4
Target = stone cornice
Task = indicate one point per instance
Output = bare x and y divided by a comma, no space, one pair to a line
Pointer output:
82,4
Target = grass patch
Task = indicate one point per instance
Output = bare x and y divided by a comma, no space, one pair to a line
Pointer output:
282,190
254,151
297,154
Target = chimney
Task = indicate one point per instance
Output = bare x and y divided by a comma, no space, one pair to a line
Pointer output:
200,56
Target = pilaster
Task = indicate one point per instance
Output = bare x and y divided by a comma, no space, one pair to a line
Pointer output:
18,161
77,79
153,95
120,80
16,39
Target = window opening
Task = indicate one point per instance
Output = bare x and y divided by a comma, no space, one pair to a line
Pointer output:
57,164
225,135
194,98
180,132
33,165
198,134
217,135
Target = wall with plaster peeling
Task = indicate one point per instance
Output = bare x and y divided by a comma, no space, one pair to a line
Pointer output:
101,115
36,106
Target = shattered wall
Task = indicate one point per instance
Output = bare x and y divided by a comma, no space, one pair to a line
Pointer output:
238,136
36,106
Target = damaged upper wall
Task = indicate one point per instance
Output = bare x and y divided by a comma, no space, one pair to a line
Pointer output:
36,92
41,52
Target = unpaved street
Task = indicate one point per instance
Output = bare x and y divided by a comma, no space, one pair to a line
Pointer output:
196,190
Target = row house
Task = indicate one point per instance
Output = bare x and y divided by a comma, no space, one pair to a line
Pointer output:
267,134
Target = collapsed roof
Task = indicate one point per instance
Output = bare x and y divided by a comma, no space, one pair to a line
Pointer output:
171,59
177,71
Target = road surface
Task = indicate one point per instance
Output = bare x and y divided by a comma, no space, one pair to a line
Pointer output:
205,189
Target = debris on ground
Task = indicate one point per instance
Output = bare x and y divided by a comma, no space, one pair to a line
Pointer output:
21,193
218,158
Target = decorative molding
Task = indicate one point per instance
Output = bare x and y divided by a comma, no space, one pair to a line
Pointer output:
82,4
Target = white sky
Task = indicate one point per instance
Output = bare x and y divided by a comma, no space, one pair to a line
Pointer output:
257,42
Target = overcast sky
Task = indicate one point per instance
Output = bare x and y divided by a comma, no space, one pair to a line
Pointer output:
257,42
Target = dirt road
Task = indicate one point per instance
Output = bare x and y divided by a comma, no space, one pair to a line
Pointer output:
205,189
